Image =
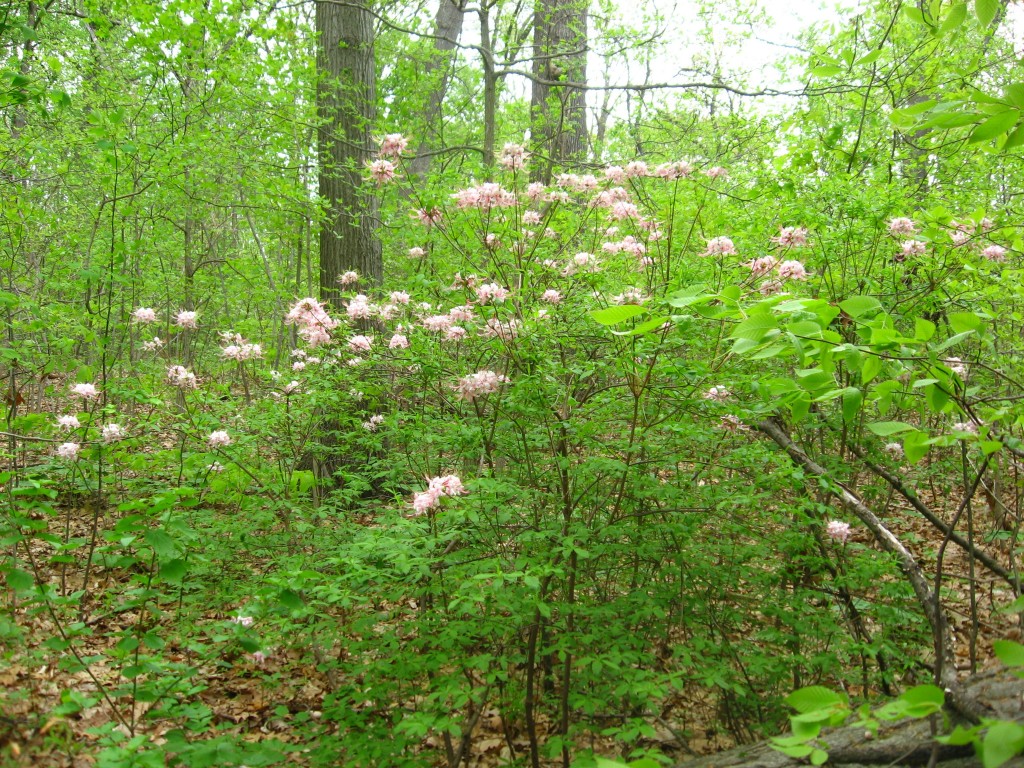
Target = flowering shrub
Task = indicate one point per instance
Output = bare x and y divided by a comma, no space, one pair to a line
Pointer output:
578,373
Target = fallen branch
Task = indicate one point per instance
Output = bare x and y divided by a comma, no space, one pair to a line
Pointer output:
898,485
932,608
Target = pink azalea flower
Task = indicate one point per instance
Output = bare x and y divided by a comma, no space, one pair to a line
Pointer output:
393,145
218,439
551,296
513,157
360,343
838,531
68,423
381,171
902,226
994,253
349,278
720,246
144,315
480,384
491,292
187,319
85,390
180,376
398,341
112,432
792,270
68,451
791,237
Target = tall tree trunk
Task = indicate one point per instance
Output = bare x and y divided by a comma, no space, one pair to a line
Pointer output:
558,113
346,106
447,30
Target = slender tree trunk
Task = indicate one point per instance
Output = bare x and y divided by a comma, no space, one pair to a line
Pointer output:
346,106
558,113
447,29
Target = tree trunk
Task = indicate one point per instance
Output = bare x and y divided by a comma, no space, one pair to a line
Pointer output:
346,106
558,113
447,30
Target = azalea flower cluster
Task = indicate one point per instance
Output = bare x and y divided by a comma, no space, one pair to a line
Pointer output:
237,348
437,487
314,323
480,384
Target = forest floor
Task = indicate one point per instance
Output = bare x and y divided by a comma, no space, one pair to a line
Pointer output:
257,700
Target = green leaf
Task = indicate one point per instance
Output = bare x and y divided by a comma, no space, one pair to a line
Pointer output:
813,698
1015,139
986,11
645,327
956,17
161,543
1009,652
869,58
20,581
963,321
870,368
925,695
915,15
1015,94
173,571
819,757
855,306
916,446
754,328
826,71
852,400
617,314
923,329
996,125
1003,741
886,428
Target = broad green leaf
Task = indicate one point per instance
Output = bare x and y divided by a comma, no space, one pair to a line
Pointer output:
869,58
963,321
1009,652
916,446
173,571
754,328
951,120
855,306
617,314
1003,741
925,694
915,14
959,737
19,580
161,543
644,327
1015,139
954,19
886,428
819,757
689,296
923,329
826,71
986,11
1015,94
852,400
996,125
814,697
870,368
